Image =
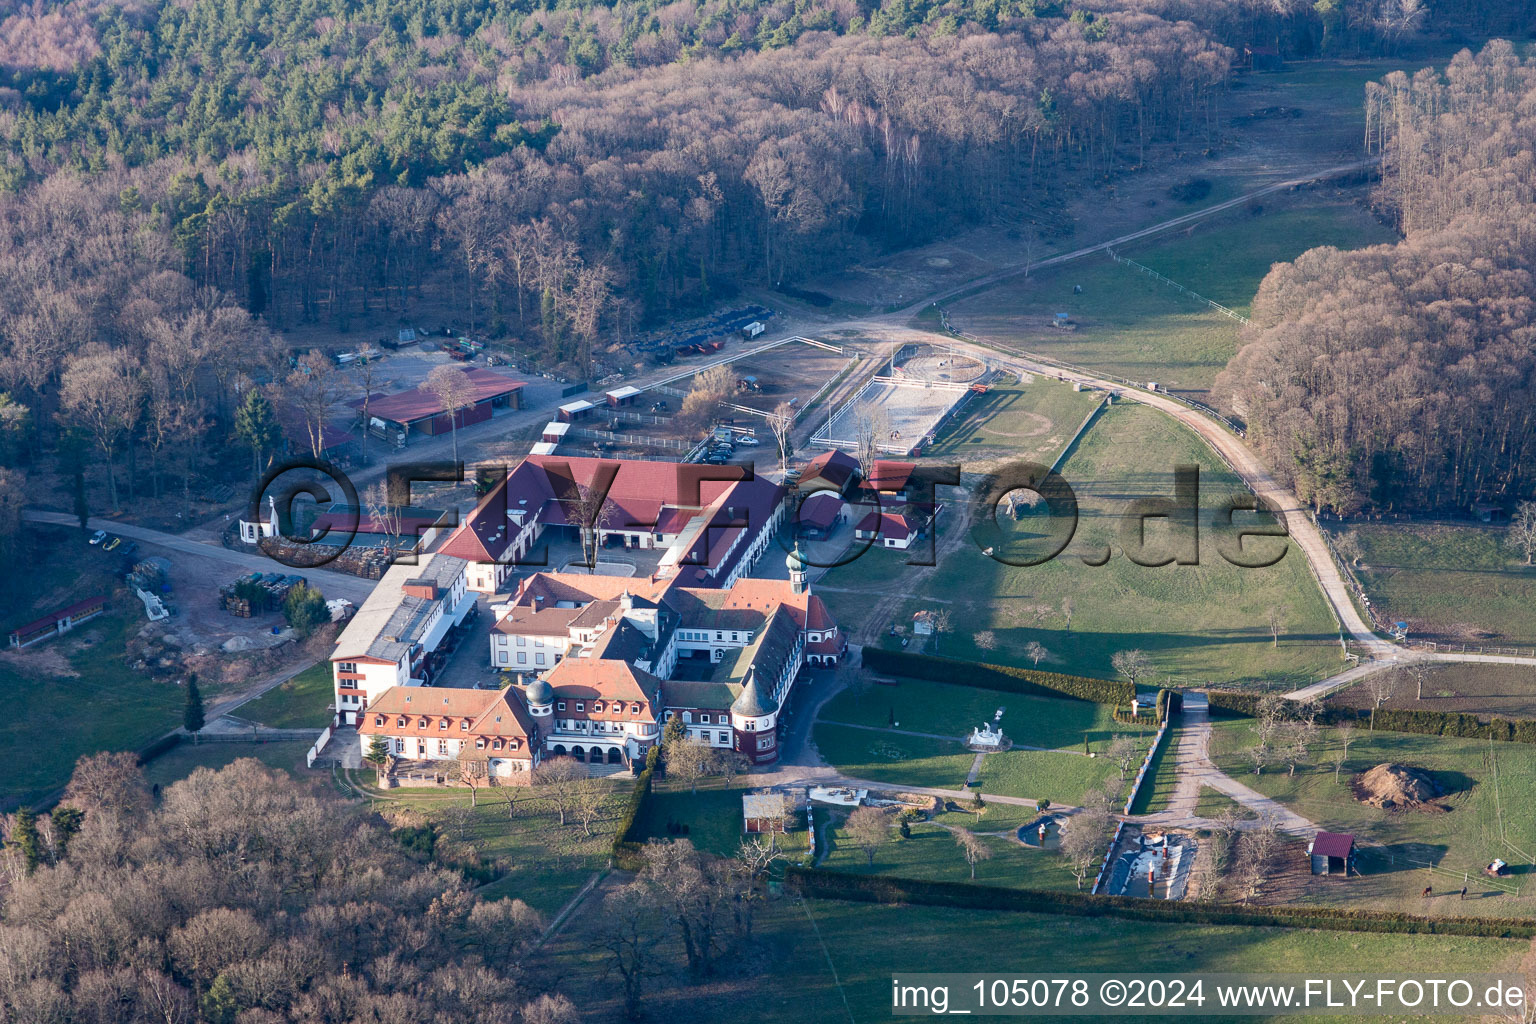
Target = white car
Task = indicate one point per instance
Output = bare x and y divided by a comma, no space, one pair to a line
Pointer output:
98,537
747,440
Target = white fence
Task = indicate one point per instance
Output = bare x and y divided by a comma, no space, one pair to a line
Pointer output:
314,751
1218,307
1146,767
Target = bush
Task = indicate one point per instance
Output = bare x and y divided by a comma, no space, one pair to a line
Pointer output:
1005,678
305,609
626,851
1411,720
882,889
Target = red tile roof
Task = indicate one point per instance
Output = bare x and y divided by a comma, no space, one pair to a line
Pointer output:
889,525
1333,844
819,511
416,404
835,467
889,475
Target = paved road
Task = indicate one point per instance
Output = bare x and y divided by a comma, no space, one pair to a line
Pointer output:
332,584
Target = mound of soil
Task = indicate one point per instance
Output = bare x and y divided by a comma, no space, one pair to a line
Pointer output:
1395,786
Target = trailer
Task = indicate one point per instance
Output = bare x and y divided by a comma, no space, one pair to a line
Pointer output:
753,329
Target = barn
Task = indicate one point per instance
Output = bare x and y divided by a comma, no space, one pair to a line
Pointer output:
421,412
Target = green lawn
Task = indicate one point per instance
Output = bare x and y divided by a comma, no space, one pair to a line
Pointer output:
77,690
1201,623
1062,778
1213,803
1450,582
1490,789
817,953
892,759
713,817
186,757
954,710
1134,326
546,863
1157,790
302,702
931,853
1020,421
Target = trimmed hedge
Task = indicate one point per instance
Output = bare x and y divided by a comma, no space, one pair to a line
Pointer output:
998,677
1411,720
159,746
822,884
625,851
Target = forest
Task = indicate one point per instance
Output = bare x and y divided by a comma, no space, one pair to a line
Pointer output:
1404,376
180,182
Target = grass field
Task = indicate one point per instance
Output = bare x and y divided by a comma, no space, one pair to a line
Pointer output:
302,702
1203,622
1213,803
1020,421
931,853
1134,326
712,815
1450,582
1062,773
1157,790
818,953
186,757
77,690
546,863
1489,789
949,710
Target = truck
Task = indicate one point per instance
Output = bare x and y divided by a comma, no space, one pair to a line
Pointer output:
753,329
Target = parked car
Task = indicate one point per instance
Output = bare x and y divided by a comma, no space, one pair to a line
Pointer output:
98,537
112,544
747,440
129,549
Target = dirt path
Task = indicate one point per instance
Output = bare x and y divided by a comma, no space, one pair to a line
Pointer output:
1193,769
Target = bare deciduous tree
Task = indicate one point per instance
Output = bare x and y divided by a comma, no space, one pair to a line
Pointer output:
559,780
1522,529
972,848
101,390
1133,664
868,828
1084,840
781,421
454,390
1036,653
688,761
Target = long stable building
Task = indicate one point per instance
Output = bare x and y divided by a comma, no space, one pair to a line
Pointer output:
712,530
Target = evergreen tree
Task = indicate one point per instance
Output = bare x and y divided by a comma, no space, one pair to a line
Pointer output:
66,825
256,425
192,718
25,838
305,609
378,755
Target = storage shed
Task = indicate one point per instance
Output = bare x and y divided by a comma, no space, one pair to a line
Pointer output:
1332,853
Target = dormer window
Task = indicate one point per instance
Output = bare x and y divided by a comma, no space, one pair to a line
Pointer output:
496,745
378,719
442,723
464,725
560,706
480,743
400,722
597,707
423,723
581,705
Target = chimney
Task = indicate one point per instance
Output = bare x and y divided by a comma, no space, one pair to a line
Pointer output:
420,587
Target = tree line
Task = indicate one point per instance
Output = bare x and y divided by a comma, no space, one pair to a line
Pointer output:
240,895
1404,375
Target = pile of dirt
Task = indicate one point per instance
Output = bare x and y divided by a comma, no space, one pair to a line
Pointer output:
1390,786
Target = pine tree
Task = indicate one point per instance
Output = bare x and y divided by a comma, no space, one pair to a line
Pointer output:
378,754
256,425
192,718
66,825
25,838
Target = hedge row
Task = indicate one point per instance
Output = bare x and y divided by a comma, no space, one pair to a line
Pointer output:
824,884
626,851
998,677
1412,720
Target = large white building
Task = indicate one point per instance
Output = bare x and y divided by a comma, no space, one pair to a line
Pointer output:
401,634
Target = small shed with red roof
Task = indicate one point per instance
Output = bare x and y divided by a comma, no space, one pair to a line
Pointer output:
61,621
1332,853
